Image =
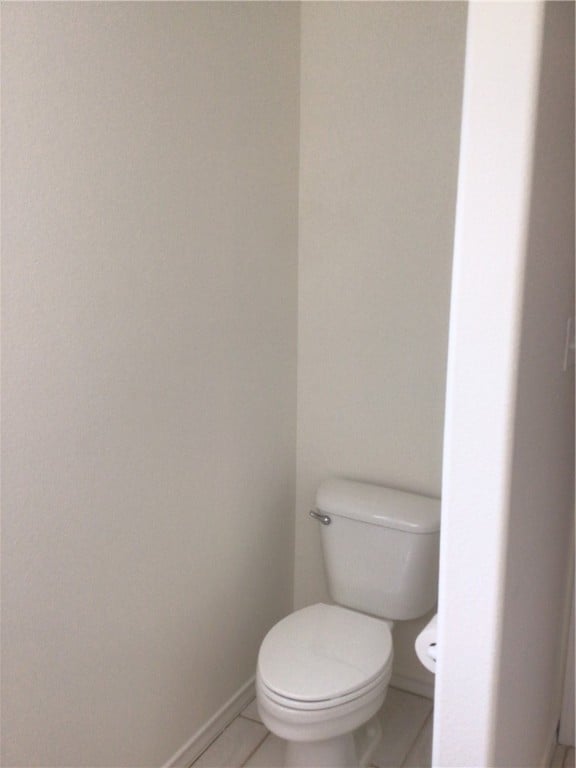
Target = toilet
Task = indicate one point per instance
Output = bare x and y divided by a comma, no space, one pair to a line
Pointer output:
323,671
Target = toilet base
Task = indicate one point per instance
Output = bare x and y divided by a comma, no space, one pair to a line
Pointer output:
366,740
351,750
338,752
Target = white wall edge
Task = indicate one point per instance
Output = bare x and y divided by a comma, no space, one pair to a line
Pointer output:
549,751
205,735
567,717
412,685
489,259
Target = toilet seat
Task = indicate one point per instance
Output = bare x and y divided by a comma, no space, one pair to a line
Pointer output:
324,656
308,706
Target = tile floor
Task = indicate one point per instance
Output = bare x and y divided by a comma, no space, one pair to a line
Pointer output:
406,742
407,738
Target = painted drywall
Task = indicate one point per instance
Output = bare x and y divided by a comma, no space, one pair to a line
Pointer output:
509,456
149,242
379,129
541,512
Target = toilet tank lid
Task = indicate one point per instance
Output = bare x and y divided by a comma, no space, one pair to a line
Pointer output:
378,505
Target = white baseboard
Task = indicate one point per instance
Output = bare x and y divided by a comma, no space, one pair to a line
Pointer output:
419,687
203,737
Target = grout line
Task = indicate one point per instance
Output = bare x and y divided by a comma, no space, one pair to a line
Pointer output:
212,742
409,693
215,739
420,732
252,719
257,747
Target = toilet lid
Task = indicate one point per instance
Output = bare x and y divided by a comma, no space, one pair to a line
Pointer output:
324,652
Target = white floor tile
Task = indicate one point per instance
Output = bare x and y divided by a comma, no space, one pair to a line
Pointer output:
569,758
233,746
402,717
558,756
270,754
420,755
251,712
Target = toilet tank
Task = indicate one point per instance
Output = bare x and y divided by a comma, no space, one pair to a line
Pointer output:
380,548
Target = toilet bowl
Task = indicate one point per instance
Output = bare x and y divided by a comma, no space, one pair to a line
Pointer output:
323,671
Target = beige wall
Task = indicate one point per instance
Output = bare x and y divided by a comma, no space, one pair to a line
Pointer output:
380,111
149,242
150,215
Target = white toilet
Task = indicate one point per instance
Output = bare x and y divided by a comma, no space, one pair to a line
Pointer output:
323,671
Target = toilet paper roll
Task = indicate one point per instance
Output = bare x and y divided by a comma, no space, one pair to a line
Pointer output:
426,648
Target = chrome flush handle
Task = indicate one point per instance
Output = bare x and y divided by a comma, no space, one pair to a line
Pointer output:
324,519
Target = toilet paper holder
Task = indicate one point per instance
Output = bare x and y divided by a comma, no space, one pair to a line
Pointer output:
426,645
